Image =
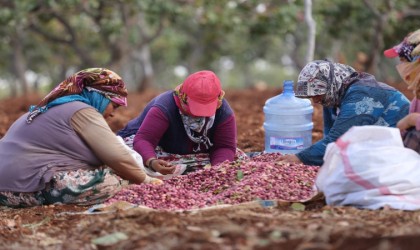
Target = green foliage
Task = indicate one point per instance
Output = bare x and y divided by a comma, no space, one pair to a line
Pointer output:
61,36
353,20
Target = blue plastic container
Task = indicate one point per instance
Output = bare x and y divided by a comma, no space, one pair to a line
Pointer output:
288,122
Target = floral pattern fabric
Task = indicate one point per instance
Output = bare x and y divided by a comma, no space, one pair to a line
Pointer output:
322,77
100,80
362,104
81,187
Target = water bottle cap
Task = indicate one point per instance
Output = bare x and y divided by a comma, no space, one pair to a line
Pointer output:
288,88
286,103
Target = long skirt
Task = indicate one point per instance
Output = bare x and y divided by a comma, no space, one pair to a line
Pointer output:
81,187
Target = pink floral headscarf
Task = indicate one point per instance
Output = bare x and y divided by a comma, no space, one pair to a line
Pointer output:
101,80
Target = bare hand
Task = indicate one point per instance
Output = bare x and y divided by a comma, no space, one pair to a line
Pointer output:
162,167
153,181
408,121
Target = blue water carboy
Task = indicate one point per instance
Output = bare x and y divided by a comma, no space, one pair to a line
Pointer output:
288,122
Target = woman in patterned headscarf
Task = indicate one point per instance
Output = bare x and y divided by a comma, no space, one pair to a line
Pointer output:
59,150
408,52
95,86
349,99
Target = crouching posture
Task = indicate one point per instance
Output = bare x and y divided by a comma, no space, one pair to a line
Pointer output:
63,151
191,126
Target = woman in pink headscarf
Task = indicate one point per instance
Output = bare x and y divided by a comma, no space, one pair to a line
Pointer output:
63,151
408,52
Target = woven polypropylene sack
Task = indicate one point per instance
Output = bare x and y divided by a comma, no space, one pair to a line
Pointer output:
369,167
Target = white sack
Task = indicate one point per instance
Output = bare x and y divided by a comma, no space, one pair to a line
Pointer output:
369,167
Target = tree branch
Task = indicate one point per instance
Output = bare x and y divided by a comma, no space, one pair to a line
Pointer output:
371,8
410,13
47,35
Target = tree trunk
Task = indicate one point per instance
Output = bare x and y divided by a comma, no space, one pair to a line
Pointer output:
19,63
197,52
381,18
378,43
143,55
311,31
13,88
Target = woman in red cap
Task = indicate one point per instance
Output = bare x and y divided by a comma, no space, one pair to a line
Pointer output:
191,126
408,52
63,151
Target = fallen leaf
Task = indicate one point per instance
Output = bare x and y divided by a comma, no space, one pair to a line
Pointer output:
110,239
35,225
297,207
239,175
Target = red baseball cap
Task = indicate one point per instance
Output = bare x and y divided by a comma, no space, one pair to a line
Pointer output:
408,49
202,90
394,51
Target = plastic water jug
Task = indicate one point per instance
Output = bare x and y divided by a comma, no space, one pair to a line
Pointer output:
288,122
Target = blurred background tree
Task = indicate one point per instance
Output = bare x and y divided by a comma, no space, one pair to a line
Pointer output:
156,43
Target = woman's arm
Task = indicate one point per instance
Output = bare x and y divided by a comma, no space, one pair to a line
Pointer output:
224,141
149,134
345,119
94,130
410,120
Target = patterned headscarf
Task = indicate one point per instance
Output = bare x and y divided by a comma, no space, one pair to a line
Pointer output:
322,77
407,50
409,67
84,86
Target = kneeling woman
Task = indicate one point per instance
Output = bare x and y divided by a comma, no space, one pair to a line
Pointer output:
60,151
349,98
191,127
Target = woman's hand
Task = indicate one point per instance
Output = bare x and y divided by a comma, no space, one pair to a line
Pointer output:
153,181
161,166
408,121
